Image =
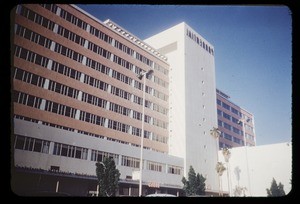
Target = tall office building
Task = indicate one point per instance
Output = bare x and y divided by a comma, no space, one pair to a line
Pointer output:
235,123
76,99
192,101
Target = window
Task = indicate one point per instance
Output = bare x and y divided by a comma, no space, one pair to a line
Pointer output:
119,109
234,111
225,115
26,99
130,162
226,106
94,31
154,166
227,126
124,48
123,62
121,93
236,140
144,59
174,170
233,119
227,136
99,50
37,145
72,19
220,123
31,144
20,141
161,69
137,100
28,77
236,130
136,131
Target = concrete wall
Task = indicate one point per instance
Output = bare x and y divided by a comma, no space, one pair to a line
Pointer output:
67,164
192,100
265,162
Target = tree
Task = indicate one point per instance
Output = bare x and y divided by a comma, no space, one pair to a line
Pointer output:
195,185
200,190
275,190
108,177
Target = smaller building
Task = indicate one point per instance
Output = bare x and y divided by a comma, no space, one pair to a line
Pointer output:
235,123
252,169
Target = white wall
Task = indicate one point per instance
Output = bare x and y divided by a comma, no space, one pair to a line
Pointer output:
201,113
264,163
192,103
67,164
171,44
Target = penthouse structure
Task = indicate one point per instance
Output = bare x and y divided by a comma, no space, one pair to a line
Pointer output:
235,123
76,99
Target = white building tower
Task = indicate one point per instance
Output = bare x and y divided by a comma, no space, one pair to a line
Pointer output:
192,99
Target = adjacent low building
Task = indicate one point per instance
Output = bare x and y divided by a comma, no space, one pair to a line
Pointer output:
252,169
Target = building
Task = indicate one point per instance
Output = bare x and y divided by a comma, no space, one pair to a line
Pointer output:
76,99
252,168
234,122
192,99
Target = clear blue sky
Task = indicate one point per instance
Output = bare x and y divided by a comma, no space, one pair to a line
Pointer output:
253,53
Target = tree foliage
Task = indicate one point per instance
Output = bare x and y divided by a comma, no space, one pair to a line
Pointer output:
195,185
275,190
220,168
108,177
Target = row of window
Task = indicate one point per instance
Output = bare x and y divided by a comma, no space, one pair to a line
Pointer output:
144,59
67,71
229,127
232,138
34,37
59,149
230,108
124,48
147,134
81,24
200,42
224,145
50,106
155,137
249,137
69,17
228,117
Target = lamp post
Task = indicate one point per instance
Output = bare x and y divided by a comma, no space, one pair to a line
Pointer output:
242,122
226,153
141,75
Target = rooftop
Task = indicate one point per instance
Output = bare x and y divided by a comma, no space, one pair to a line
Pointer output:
133,38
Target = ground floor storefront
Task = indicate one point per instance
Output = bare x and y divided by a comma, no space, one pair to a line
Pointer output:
38,182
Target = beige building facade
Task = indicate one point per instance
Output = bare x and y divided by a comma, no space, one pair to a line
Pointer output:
77,99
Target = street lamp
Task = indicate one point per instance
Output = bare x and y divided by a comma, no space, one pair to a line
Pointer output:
140,76
226,153
242,122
